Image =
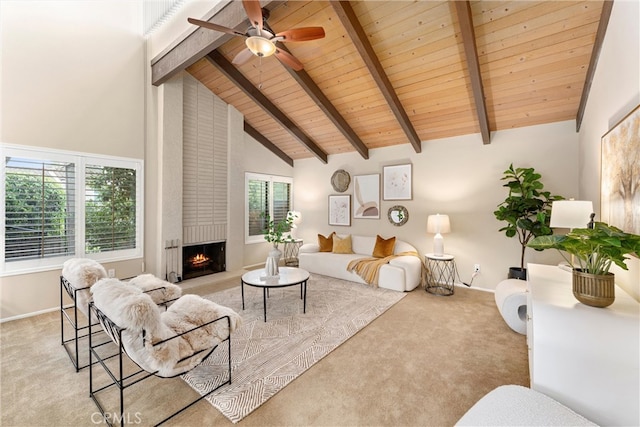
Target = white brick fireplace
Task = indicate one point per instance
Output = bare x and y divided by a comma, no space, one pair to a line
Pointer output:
194,157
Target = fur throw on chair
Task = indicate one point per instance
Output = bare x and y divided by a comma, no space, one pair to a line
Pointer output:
145,325
83,273
159,290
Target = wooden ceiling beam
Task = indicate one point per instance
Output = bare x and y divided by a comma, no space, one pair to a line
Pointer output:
232,73
266,143
306,82
355,31
593,62
201,41
463,10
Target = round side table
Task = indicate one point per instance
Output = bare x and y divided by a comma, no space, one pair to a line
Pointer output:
441,274
291,252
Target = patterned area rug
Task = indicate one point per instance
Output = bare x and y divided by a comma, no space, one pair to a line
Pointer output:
268,356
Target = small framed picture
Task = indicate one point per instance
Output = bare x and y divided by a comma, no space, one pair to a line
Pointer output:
366,190
340,210
397,182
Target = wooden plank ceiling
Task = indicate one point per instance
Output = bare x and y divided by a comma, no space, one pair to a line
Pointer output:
531,66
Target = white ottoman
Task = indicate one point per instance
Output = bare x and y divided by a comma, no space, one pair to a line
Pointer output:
514,405
511,299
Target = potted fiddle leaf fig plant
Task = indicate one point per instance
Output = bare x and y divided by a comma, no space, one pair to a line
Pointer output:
594,251
526,210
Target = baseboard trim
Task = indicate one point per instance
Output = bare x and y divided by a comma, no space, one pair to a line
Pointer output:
462,285
27,315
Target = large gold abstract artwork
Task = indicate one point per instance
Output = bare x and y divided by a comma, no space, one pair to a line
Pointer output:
620,179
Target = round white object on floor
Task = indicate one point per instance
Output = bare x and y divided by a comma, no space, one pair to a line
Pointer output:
511,299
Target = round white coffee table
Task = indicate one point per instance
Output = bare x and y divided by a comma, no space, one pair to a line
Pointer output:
288,276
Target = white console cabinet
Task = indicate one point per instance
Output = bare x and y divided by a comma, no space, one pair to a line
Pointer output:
584,357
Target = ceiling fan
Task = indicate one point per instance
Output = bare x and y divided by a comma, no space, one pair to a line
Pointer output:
261,39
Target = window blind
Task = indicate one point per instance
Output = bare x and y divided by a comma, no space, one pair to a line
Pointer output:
267,197
281,200
258,200
110,208
39,208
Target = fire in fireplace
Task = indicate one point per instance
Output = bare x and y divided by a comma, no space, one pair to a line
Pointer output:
202,259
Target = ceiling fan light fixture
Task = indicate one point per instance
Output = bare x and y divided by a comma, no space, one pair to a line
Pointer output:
260,46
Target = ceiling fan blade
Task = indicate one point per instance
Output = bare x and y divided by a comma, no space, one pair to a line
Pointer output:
289,60
214,27
243,56
254,12
302,34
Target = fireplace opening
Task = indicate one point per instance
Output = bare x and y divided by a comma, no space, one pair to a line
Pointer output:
202,259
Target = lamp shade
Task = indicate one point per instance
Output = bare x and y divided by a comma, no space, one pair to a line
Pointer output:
296,217
570,213
438,224
260,46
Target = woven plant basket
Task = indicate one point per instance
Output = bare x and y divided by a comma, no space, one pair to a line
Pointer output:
594,290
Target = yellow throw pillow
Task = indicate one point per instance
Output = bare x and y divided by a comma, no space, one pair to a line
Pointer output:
384,247
342,245
326,243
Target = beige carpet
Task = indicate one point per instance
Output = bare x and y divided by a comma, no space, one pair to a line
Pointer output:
423,362
267,356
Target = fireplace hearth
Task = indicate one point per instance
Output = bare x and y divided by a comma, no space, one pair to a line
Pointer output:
202,259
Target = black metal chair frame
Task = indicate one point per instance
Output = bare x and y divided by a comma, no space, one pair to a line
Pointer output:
123,381
70,313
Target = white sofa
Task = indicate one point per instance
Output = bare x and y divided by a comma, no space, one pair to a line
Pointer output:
514,405
402,273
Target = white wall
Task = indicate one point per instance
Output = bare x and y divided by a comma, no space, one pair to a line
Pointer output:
614,93
72,75
457,176
72,79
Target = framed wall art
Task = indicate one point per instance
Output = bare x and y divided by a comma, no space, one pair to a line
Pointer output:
340,210
366,190
397,182
619,179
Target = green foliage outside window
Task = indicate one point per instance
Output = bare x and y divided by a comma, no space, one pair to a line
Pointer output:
35,215
110,209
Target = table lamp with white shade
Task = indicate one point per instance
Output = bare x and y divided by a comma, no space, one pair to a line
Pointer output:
438,225
296,219
571,213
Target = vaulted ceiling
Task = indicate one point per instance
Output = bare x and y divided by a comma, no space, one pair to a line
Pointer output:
399,72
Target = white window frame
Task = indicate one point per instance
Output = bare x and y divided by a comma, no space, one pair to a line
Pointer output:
252,176
80,160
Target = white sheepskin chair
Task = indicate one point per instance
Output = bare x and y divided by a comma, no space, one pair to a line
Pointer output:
78,275
151,338
159,290
82,273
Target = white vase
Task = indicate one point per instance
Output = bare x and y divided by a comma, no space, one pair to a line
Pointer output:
276,253
271,265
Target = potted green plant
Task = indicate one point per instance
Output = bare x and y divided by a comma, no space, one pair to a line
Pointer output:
274,233
526,210
594,251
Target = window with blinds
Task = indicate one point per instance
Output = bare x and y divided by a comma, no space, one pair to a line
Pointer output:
59,205
281,201
110,208
39,208
267,196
